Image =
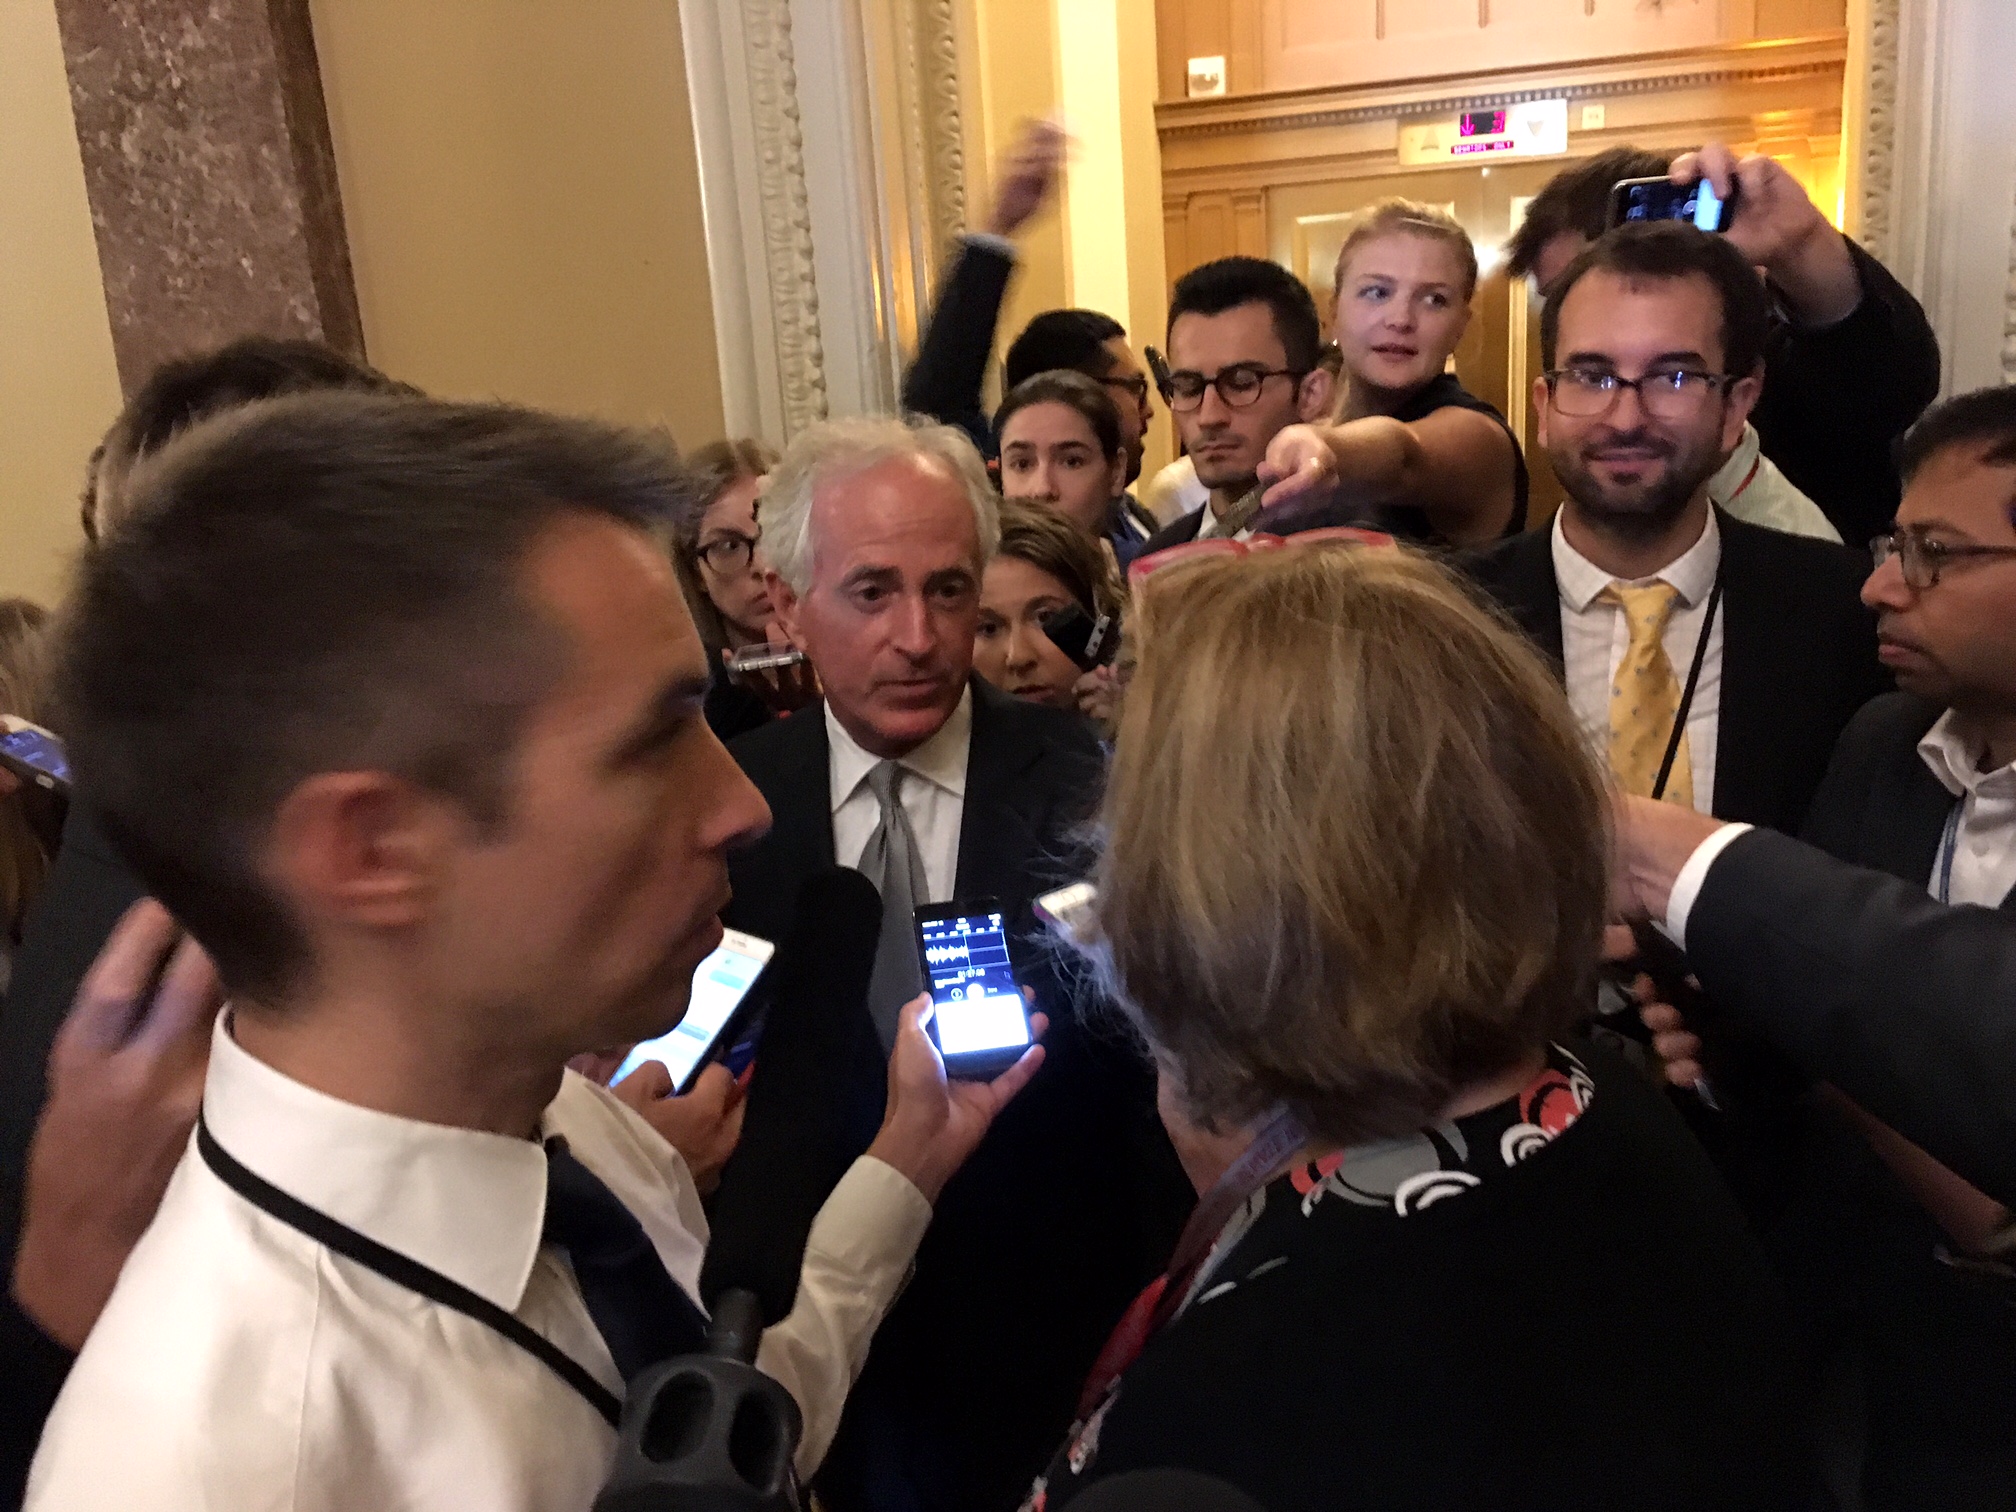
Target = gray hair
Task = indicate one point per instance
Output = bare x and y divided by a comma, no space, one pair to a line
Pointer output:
834,450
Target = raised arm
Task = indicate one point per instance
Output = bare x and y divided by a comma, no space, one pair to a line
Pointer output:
1456,466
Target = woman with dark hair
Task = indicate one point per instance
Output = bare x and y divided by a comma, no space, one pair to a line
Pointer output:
714,539
1062,448
1044,566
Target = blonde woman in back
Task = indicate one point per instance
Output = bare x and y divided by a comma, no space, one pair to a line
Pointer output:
1409,449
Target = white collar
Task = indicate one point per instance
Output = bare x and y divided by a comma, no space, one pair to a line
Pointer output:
1954,757
468,1204
1737,467
1692,573
940,760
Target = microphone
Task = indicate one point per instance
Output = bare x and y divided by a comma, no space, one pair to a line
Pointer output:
815,1098
708,1432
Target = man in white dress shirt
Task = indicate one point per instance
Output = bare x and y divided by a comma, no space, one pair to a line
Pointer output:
396,706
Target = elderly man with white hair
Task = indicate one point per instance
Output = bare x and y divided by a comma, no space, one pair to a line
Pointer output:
941,788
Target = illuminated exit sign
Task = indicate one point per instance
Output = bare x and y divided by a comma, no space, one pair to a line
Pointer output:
1536,128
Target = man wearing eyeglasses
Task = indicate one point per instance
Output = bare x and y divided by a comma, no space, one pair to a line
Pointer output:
1711,662
1244,343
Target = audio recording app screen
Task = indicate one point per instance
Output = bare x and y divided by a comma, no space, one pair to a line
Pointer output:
979,1007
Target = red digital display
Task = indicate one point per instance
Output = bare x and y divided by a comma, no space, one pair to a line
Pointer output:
1483,123
1505,146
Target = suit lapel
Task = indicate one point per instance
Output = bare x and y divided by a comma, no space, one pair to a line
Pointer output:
801,803
1754,693
1000,824
1533,593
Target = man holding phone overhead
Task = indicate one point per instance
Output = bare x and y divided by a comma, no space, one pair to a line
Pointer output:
1851,360
944,791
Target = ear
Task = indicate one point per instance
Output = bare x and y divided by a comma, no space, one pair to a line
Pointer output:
1312,400
784,603
362,850
1743,395
1541,396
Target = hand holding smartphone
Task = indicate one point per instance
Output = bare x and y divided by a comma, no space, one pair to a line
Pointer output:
1657,199
713,1015
980,1020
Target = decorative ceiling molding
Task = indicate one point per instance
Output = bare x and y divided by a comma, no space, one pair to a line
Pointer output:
937,43
1692,68
2009,308
787,213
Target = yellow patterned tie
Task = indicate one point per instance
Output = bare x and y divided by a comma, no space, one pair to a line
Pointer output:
1645,697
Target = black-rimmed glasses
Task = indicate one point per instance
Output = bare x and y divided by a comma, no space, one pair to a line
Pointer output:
1238,385
1134,386
1665,393
1922,559
728,554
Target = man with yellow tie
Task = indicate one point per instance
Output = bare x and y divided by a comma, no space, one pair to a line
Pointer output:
1711,662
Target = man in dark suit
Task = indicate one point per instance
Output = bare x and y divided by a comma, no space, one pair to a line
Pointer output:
1850,359
1653,346
939,788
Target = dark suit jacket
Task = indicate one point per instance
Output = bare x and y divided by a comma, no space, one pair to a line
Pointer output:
87,890
952,350
1070,1205
1836,399
1858,1250
1178,532
1866,981
1798,656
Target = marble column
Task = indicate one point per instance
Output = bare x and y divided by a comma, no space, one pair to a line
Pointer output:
210,174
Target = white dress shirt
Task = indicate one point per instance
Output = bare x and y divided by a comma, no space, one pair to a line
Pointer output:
1984,845
933,794
1751,488
1595,633
240,1364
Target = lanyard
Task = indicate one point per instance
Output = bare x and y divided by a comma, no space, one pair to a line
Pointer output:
402,1271
1949,842
1281,1137
1693,680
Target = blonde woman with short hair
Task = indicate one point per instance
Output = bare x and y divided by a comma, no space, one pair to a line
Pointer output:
1409,448
1352,894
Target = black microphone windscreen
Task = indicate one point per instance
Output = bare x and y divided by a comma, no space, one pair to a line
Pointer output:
803,1127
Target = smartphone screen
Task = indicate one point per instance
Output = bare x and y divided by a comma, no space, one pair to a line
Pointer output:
39,752
719,986
1661,199
979,1007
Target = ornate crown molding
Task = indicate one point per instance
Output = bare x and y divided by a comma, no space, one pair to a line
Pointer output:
1295,110
1880,130
2009,309
787,212
937,54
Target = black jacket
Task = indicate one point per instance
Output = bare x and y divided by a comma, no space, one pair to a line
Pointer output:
1798,655
1070,1205
87,891
952,350
1860,1254
1836,400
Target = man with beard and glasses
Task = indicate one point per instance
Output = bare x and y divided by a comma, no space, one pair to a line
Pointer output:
1663,613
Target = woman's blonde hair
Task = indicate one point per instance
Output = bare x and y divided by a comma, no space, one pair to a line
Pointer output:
715,468
23,660
1050,543
1416,219
1354,846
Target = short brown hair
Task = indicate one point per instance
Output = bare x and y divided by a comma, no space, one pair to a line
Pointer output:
1644,251
1415,219
1354,845
327,582
1050,543
716,467
1577,200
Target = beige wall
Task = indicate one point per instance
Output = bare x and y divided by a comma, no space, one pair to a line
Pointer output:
58,386
523,200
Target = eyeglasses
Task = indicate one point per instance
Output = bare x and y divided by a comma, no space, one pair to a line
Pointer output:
1238,385
1923,559
1665,394
1134,387
728,554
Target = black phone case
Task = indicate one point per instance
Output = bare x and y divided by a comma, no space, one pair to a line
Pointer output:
979,1065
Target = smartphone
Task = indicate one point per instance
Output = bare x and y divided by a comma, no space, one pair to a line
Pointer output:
1068,910
713,1015
980,1019
1087,641
763,659
35,755
1657,199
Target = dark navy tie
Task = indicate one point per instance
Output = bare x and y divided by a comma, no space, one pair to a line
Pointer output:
639,1309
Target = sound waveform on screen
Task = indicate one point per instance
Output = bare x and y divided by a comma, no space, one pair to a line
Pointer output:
937,954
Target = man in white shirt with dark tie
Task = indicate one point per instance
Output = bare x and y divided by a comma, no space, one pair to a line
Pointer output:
396,706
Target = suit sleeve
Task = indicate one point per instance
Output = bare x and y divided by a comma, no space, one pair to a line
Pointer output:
1905,1004
1836,398
944,382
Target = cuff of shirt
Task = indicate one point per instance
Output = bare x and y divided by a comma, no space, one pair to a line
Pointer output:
1687,886
874,1218
991,242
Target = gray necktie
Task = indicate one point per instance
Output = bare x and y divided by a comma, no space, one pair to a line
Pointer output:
891,861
